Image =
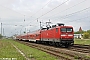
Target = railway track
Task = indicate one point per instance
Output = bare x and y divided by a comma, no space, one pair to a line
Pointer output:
80,48
63,53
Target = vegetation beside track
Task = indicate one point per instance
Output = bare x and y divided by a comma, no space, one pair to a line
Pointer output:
82,41
7,51
31,53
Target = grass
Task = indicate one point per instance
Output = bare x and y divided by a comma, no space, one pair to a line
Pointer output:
33,53
82,41
8,51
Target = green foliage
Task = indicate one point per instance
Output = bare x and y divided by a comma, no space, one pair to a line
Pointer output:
1,36
86,35
88,31
79,32
24,32
76,57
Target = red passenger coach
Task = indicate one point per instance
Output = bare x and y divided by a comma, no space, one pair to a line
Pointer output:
34,36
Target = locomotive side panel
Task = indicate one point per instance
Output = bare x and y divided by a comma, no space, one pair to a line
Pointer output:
48,35
52,35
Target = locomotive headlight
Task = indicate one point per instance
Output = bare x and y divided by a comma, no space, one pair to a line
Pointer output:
63,35
70,35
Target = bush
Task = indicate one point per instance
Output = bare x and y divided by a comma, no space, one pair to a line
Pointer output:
86,35
1,36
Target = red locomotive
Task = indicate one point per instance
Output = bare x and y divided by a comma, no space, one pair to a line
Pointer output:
58,35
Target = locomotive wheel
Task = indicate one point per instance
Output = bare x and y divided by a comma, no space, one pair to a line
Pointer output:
37,42
60,45
56,44
50,43
47,43
66,45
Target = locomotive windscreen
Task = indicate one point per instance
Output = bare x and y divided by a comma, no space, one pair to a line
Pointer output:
66,30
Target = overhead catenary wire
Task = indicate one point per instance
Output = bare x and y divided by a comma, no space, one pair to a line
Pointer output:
58,5
24,14
11,9
79,19
53,9
61,17
65,9
41,8
74,12
69,8
68,15
77,12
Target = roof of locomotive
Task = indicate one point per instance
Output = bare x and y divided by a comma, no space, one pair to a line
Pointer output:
58,27
61,25
64,27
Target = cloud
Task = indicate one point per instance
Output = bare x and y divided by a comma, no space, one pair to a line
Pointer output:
13,12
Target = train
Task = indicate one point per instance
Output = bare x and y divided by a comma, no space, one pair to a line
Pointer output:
58,35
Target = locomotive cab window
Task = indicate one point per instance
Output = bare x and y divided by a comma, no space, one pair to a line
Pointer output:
69,29
66,29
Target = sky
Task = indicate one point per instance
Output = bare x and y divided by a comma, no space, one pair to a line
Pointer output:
18,16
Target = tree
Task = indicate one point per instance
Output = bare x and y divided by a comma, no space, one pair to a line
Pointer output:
88,31
24,32
1,36
79,32
86,35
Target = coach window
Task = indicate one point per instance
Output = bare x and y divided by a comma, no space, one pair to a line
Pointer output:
36,34
56,29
